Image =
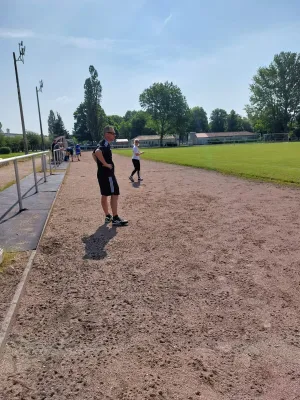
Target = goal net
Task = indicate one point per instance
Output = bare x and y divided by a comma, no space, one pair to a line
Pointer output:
276,137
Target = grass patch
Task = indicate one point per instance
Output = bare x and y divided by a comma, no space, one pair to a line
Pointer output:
272,162
8,258
11,155
7,185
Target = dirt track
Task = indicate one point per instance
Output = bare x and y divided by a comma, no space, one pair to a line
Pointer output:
198,298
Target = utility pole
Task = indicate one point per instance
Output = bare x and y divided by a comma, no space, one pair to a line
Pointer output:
38,103
21,58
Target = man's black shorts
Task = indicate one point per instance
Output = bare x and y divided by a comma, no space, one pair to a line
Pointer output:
108,185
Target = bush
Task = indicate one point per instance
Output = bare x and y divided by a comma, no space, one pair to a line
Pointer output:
5,150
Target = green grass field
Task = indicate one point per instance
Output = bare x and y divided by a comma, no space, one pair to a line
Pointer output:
11,155
274,162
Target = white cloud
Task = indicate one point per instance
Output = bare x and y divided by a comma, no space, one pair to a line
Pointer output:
15,33
64,100
167,20
159,26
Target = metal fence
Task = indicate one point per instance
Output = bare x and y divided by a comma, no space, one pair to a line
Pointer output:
33,156
58,157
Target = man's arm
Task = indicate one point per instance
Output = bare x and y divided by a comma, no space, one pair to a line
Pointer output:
98,154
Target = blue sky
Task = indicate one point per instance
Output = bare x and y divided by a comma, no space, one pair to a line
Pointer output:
210,49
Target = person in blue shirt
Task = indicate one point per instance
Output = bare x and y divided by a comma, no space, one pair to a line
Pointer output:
78,151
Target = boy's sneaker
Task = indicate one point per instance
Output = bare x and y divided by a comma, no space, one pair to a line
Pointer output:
117,221
141,179
131,179
108,219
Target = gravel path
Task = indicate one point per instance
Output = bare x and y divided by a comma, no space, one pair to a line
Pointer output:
198,298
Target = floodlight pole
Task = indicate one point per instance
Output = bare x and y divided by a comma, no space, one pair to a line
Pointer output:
21,58
38,103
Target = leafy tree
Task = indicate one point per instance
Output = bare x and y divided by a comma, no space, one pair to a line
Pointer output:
198,121
34,140
51,123
15,143
92,99
167,107
275,92
234,122
246,125
218,120
125,130
102,122
80,125
129,115
1,128
2,140
59,127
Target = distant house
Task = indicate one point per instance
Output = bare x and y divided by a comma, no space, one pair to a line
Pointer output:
8,133
121,143
222,137
154,141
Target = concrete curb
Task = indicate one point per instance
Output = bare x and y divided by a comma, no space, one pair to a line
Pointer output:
14,304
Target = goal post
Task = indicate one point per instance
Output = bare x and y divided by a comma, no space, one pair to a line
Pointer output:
276,137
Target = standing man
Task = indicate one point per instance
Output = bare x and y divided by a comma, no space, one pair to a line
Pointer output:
106,177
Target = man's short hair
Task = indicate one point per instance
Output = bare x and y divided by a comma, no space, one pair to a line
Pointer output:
109,128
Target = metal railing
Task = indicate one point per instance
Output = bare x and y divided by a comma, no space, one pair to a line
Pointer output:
43,155
58,157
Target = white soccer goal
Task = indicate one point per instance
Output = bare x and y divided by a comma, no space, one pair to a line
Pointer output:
276,137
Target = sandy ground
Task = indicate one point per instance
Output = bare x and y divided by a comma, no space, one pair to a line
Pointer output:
198,298
10,275
7,173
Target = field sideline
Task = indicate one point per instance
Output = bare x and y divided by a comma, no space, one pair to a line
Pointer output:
273,162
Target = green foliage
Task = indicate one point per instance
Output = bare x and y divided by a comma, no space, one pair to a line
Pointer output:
168,108
5,150
218,120
0,127
95,116
51,123
90,118
34,141
56,126
234,122
198,121
80,125
2,140
275,94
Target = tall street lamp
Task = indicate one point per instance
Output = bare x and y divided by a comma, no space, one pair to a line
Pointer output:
38,103
21,58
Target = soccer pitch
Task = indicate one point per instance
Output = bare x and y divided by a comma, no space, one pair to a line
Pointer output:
274,162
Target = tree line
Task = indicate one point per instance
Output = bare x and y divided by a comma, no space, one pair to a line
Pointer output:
15,144
274,107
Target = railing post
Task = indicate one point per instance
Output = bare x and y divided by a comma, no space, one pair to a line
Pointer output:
50,166
34,173
44,167
18,185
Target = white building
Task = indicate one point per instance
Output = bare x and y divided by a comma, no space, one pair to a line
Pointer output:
154,141
221,137
8,133
119,143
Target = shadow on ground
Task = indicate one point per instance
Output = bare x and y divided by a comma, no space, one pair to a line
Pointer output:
96,243
136,185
